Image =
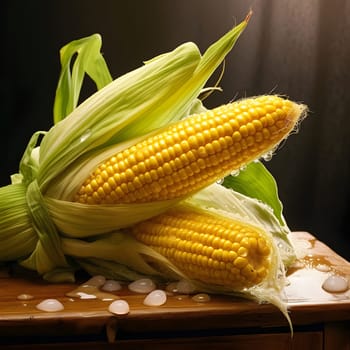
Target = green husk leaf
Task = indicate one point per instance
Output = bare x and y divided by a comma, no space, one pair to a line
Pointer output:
117,247
17,236
191,88
61,275
88,60
257,182
84,220
47,254
29,163
108,269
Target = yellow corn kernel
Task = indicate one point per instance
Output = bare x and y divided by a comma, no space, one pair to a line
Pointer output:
208,248
212,144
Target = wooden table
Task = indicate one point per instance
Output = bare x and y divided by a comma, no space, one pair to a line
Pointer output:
321,320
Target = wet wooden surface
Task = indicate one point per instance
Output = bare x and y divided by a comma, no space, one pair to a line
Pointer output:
309,306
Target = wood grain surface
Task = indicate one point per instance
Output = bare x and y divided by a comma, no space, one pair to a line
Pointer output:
180,313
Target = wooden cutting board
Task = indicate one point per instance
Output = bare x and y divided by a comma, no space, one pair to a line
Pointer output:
308,304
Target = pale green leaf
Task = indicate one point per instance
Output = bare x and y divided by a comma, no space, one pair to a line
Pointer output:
257,182
88,60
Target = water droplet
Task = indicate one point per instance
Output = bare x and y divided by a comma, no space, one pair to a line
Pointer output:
323,267
185,287
96,281
111,286
50,305
235,173
335,284
25,296
201,298
83,295
267,156
91,289
156,298
119,307
143,285
172,288
85,135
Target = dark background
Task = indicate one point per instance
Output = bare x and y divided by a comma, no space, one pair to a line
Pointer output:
296,48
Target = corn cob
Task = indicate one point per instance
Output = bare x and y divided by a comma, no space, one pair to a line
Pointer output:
193,153
207,248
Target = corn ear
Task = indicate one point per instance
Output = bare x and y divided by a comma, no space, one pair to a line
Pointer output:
225,201
192,153
208,248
